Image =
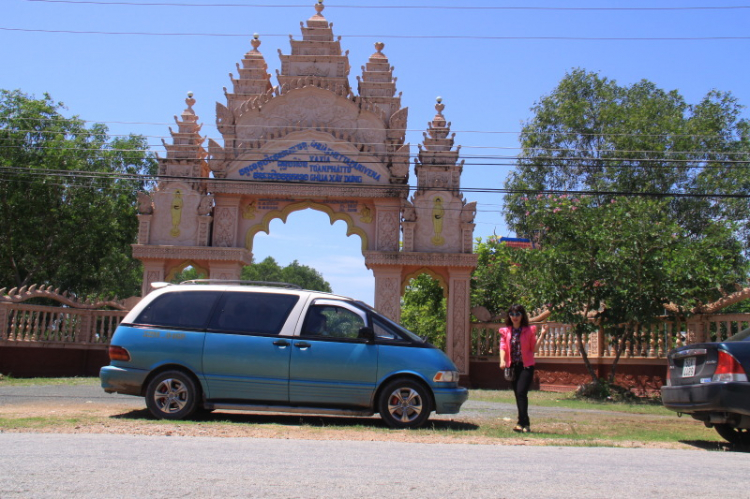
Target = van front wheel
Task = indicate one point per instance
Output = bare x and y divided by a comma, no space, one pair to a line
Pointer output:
404,403
172,395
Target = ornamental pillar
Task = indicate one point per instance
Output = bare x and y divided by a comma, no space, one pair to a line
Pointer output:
388,291
153,271
458,327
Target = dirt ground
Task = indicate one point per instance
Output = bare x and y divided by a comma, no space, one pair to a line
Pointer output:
64,416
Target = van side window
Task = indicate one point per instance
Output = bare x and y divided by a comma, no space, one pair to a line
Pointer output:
383,331
252,313
182,310
333,322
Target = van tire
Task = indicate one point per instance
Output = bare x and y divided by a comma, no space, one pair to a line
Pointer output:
172,395
405,404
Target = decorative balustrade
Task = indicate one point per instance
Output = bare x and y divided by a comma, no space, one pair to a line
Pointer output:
648,342
77,322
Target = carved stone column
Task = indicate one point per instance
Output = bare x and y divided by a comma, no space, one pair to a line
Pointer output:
467,237
696,330
204,230
458,327
144,228
226,220
225,270
388,291
387,220
153,271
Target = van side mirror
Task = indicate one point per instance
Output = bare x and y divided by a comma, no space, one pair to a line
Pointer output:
366,333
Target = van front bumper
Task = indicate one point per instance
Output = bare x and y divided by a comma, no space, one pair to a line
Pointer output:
122,380
449,400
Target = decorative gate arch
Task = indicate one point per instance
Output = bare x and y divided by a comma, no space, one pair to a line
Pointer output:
311,142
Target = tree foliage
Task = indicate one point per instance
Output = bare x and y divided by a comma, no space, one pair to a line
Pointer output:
591,134
499,281
269,270
615,257
615,265
423,309
61,222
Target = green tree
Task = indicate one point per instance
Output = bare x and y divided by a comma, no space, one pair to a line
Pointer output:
270,271
617,265
423,309
591,134
67,200
498,281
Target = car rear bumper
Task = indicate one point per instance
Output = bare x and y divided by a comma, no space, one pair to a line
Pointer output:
122,380
708,397
449,400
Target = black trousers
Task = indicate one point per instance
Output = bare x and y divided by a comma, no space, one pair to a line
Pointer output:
521,385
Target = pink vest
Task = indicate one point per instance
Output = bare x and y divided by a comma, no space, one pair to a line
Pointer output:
528,344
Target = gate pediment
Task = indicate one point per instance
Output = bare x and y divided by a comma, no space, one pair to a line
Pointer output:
310,156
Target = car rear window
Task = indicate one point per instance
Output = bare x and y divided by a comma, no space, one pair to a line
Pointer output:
252,313
182,310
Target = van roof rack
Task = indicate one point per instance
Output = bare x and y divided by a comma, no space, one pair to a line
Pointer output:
249,283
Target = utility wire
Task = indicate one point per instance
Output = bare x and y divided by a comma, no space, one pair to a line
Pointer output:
699,161
400,37
150,178
390,7
340,129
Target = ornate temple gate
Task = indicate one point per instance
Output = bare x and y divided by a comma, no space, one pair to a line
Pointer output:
311,142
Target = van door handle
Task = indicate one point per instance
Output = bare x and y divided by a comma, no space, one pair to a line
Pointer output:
281,343
302,344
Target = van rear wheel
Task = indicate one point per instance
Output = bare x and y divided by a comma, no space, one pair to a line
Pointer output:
172,395
404,403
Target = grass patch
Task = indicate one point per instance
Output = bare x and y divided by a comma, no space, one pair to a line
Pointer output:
74,381
568,400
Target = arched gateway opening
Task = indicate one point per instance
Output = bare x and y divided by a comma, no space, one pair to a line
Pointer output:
311,142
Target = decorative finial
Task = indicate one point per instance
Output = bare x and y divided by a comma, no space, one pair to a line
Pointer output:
379,46
255,42
190,101
319,7
439,106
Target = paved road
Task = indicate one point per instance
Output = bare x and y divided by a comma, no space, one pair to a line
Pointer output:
124,466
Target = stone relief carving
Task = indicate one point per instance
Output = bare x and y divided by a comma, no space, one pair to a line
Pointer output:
438,214
388,228
468,212
365,214
176,211
388,293
206,205
248,212
408,210
224,227
459,304
145,203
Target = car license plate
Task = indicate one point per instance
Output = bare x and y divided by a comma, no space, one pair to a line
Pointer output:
688,367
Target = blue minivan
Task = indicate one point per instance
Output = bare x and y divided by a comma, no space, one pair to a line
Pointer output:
208,345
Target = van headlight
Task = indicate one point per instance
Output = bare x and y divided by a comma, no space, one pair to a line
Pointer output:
446,377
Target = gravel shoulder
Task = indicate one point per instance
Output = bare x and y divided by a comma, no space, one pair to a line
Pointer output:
87,409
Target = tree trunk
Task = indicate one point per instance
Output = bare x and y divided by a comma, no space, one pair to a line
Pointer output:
584,356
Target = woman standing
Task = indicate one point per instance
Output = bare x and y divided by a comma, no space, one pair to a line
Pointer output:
518,344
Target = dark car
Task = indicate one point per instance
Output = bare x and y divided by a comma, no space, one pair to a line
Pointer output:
709,382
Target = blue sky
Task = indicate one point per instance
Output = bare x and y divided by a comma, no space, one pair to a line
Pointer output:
490,65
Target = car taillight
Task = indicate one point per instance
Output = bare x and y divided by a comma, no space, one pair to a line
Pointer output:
728,368
118,353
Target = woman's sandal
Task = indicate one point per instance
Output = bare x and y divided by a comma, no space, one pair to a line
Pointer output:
519,428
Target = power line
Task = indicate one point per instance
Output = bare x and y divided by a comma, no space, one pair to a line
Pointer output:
699,161
345,129
400,37
79,174
402,7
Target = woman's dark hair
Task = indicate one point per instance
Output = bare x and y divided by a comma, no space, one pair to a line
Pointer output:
519,309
